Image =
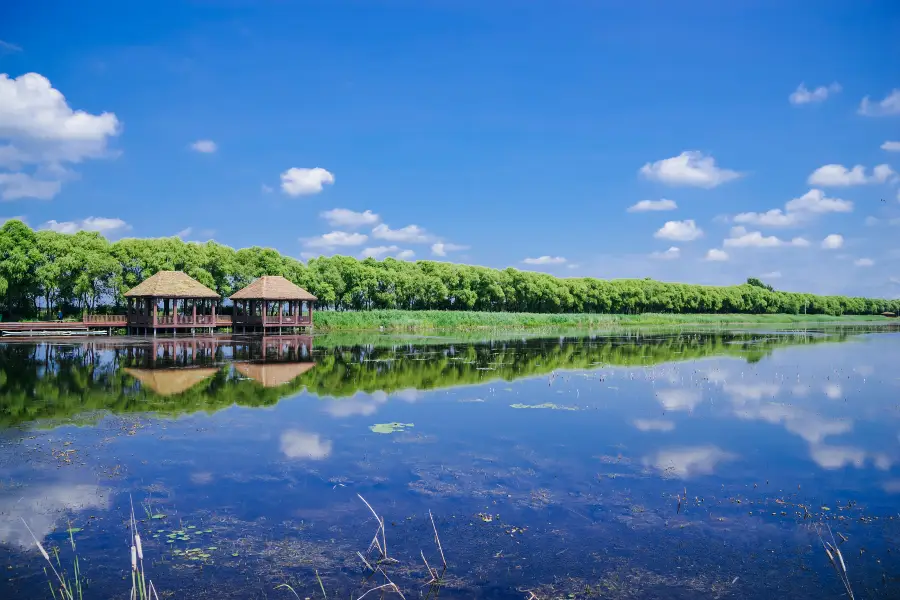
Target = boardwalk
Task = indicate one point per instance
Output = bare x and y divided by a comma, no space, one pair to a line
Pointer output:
88,323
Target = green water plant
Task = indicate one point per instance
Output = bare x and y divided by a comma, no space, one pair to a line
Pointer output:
390,427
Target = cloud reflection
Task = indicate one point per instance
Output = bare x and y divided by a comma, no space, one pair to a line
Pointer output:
299,444
679,399
43,507
653,425
690,461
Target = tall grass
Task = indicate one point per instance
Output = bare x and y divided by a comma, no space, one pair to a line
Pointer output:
427,320
141,587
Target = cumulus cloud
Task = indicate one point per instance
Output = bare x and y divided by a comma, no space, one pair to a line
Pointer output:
379,252
688,462
679,231
545,260
891,146
690,168
833,241
670,254
815,201
804,96
840,176
299,444
653,205
796,211
771,218
889,106
411,234
864,262
204,146
303,182
716,255
22,185
100,224
336,239
40,135
343,217
741,238
442,248
837,457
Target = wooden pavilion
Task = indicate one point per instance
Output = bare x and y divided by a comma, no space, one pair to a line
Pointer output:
272,302
169,301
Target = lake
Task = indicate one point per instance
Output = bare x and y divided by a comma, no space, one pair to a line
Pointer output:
643,464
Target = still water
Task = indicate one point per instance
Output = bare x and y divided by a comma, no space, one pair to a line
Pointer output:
643,465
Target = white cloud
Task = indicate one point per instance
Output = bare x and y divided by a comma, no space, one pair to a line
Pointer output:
298,444
771,275
741,238
22,218
405,255
691,168
833,391
653,205
411,234
204,146
545,260
336,238
889,106
840,176
342,217
442,248
39,131
679,231
815,201
772,218
670,254
891,146
101,224
302,182
653,425
872,221
864,262
689,461
716,255
21,185
379,252
833,241
819,94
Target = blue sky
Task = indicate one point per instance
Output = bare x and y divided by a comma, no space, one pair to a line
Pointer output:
494,133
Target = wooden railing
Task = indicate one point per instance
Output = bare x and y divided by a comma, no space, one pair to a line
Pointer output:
103,319
223,319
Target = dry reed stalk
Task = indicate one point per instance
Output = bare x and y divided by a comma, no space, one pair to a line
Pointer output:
837,561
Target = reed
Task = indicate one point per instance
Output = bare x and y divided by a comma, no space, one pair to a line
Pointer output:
444,320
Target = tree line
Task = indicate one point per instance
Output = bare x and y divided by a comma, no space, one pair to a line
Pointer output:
45,271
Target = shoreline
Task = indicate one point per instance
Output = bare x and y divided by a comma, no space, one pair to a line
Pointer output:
445,321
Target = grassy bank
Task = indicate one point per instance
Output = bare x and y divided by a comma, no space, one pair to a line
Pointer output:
434,320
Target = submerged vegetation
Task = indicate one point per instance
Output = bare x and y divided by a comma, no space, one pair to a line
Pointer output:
84,271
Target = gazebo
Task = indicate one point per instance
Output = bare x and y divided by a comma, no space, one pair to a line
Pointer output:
272,301
171,300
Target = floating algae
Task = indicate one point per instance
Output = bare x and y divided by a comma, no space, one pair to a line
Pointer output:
390,427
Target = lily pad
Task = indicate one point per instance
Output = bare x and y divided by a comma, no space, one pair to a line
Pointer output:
74,529
546,405
390,427
158,516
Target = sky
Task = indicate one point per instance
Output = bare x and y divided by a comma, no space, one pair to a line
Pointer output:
701,142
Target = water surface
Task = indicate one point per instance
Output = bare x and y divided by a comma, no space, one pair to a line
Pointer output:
642,465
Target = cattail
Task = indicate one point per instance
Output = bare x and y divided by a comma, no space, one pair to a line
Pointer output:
133,558
140,551
43,552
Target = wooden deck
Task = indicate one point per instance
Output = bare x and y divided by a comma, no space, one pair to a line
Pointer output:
95,322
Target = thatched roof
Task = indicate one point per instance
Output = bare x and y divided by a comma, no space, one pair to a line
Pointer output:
171,284
272,287
273,374
168,382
